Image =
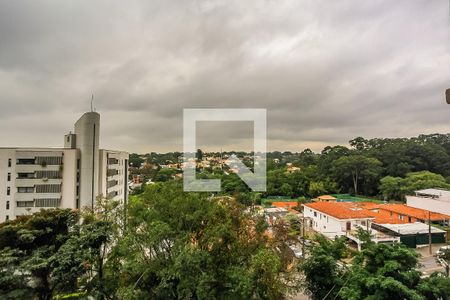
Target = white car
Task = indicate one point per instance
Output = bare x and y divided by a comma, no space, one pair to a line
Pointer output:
296,251
441,250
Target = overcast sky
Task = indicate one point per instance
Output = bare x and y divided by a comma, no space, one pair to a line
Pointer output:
326,71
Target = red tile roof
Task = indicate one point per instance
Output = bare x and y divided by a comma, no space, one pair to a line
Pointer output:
417,213
386,219
289,205
367,205
327,197
341,210
361,210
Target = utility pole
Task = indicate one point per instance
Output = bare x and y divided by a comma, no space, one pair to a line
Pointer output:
429,232
303,236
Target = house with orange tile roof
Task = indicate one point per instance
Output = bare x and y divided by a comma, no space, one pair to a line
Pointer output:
335,219
289,205
344,218
325,198
401,214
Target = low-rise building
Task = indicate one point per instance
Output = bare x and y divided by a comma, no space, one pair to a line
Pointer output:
413,234
401,214
325,198
436,200
273,214
335,219
289,205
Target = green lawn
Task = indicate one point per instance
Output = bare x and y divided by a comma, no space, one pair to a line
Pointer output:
351,198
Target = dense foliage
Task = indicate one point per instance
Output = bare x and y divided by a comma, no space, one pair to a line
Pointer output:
175,245
379,271
357,169
51,253
214,246
188,245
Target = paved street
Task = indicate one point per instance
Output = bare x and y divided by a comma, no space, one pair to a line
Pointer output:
428,262
430,265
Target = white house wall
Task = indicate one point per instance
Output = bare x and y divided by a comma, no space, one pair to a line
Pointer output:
324,223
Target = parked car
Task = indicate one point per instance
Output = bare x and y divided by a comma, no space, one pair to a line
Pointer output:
296,251
442,250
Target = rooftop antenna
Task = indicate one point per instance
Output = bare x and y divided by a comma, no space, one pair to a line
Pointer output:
92,102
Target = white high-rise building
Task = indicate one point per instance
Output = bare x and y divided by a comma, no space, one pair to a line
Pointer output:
69,177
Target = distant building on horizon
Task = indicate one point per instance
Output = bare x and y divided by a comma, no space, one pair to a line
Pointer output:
69,177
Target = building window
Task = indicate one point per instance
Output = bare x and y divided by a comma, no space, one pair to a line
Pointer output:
315,214
49,160
25,203
8,191
113,161
9,176
25,175
9,162
47,202
48,188
112,172
7,204
49,174
7,218
348,226
25,189
112,183
25,161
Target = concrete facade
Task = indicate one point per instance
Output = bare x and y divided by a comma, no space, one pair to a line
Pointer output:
69,177
113,183
87,138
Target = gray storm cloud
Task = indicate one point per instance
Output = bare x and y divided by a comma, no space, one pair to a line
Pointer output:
326,71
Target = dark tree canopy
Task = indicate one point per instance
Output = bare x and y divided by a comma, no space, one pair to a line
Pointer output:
378,272
187,245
